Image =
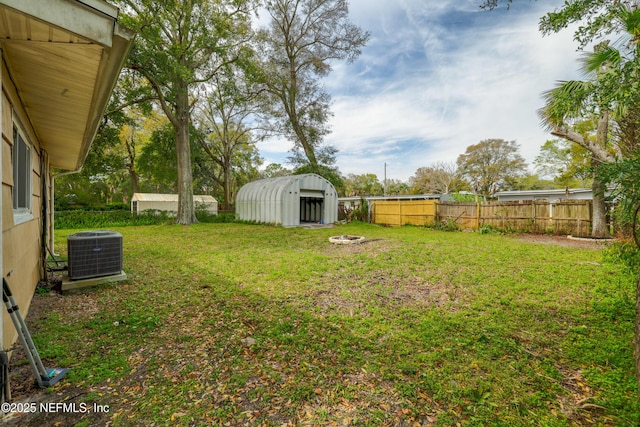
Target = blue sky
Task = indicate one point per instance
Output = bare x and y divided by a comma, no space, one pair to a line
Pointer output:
436,77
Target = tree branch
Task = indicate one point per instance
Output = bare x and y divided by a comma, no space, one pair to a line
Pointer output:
156,87
599,152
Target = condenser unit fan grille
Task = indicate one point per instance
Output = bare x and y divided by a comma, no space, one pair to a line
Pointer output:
94,254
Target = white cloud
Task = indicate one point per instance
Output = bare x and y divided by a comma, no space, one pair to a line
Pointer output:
434,80
483,82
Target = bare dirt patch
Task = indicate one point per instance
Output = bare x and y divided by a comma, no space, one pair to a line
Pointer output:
367,245
564,241
382,289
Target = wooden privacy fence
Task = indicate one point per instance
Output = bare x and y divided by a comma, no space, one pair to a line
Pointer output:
403,212
534,216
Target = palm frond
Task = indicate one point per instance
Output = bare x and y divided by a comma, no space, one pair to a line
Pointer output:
564,102
628,16
603,57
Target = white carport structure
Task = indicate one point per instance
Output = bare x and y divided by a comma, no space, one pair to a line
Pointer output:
288,201
141,202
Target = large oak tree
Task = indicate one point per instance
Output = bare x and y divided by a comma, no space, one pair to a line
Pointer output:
302,40
437,178
181,45
492,165
227,126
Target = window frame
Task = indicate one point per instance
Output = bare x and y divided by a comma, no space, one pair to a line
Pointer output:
22,190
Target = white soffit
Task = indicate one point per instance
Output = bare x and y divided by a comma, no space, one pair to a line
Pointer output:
64,57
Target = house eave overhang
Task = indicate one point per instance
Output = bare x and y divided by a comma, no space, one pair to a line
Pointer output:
64,57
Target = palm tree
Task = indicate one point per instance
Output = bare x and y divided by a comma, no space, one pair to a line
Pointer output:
603,96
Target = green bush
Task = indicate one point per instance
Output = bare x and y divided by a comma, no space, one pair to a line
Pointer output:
489,229
466,197
622,217
119,218
624,252
207,217
93,208
101,219
446,224
359,213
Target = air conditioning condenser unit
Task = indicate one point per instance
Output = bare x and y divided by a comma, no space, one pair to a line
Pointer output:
94,254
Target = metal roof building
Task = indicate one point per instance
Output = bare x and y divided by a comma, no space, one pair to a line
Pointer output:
288,201
550,195
169,202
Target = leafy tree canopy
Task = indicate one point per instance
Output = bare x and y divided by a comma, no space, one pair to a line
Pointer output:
275,170
492,165
362,185
569,165
439,178
297,48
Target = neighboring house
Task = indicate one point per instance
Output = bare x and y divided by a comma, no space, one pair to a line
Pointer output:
60,60
550,195
141,202
353,202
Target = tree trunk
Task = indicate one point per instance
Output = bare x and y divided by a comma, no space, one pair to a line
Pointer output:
599,154
291,109
227,184
186,209
636,338
134,179
131,166
309,150
599,226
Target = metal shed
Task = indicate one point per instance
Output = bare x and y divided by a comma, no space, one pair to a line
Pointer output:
288,201
169,202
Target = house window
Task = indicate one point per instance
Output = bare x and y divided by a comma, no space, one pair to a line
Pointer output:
21,162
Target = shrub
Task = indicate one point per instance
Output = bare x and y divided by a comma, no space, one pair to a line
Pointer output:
119,218
207,217
466,197
489,229
624,252
448,224
102,219
360,213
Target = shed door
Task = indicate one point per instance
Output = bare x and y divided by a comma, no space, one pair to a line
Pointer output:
311,209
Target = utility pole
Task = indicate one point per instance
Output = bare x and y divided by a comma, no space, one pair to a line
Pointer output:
384,187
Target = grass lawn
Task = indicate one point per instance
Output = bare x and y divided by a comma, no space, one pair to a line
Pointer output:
256,325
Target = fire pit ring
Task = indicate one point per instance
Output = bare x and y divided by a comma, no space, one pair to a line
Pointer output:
346,240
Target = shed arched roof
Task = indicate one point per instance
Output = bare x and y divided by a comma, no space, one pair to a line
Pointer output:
276,200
